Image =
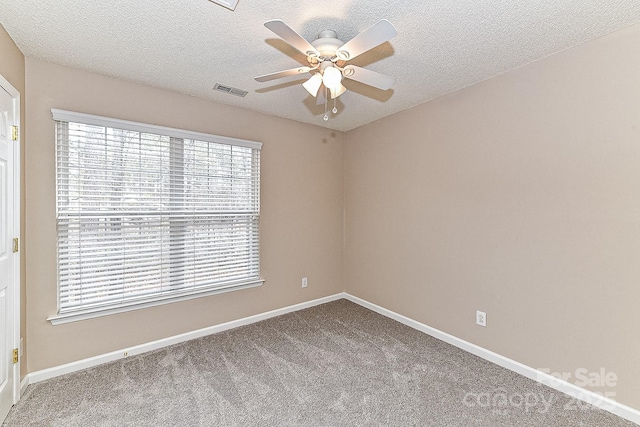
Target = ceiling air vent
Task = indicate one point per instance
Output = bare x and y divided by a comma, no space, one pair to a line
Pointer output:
229,89
229,4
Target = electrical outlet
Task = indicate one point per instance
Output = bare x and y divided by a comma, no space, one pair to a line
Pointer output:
481,318
304,282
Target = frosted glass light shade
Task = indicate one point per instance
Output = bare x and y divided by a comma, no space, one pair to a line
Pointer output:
331,77
313,84
336,92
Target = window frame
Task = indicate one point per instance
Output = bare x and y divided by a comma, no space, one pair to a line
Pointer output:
161,298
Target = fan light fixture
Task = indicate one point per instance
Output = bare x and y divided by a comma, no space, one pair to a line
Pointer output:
331,77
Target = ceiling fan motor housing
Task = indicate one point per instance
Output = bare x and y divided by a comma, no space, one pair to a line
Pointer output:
327,43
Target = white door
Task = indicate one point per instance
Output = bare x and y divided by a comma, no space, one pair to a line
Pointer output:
8,259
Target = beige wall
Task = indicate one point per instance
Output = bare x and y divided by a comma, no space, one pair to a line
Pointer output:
12,69
12,63
301,220
519,196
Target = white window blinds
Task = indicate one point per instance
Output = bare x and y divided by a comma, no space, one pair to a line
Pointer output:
146,214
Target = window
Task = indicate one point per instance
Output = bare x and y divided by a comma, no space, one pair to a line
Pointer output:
147,214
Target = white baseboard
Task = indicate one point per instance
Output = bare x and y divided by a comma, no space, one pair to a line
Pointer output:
563,386
23,384
79,365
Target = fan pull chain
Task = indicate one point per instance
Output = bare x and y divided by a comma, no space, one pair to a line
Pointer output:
335,110
326,101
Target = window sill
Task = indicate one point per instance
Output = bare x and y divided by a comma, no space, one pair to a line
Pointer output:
91,313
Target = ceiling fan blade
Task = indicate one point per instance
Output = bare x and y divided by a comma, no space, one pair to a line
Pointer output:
285,73
294,39
368,39
368,77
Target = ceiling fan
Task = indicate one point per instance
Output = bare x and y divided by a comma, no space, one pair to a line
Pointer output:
328,59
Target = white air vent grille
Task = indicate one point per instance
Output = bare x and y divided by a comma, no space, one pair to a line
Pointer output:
229,4
229,89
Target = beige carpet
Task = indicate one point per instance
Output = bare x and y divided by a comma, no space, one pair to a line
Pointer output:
337,364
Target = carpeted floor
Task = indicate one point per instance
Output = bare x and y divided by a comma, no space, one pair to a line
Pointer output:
336,364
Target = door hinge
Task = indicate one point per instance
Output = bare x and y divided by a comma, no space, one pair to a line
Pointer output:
15,355
16,245
14,133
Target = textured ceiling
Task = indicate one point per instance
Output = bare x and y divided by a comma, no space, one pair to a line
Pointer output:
189,45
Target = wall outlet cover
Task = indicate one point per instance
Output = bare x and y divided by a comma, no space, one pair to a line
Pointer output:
481,318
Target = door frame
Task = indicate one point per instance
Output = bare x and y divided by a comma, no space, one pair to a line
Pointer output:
15,94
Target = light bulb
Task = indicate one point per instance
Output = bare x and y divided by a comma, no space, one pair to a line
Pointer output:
331,77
